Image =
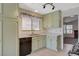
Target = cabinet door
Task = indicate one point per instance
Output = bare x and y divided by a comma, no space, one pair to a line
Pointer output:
40,44
34,44
37,43
52,19
48,42
51,42
45,21
10,38
44,42
25,46
10,10
56,18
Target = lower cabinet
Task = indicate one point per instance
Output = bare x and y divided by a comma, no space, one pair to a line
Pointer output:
53,42
30,44
25,46
38,42
34,44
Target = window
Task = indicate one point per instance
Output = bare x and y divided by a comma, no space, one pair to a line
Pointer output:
68,29
30,23
26,22
35,23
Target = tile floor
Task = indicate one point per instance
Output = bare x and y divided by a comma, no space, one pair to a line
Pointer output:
48,52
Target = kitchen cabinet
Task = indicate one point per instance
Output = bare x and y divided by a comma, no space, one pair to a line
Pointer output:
10,37
34,44
10,10
43,41
46,21
10,42
51,43
52,20
38,42
48,42
25,46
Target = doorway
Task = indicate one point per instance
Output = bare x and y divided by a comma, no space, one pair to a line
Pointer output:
70,35
70,29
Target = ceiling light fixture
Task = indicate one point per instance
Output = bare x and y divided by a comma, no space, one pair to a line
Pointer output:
36,10
44,6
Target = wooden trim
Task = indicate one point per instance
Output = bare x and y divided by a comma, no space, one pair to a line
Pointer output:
31,13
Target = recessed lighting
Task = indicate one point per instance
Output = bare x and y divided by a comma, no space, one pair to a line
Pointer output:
36,10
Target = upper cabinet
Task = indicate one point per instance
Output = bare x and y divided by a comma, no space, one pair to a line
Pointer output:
52,20
10,10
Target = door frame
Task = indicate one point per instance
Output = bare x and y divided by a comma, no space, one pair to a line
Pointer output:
63,27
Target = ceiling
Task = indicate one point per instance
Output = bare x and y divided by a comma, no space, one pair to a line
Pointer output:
70,19
37,7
